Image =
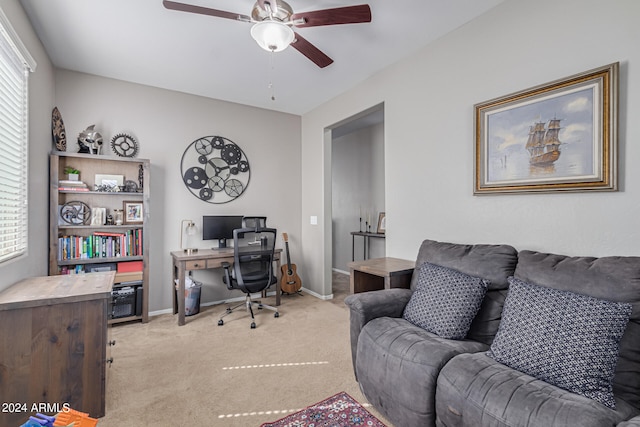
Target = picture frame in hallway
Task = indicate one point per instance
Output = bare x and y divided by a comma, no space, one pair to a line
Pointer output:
559,136
382,223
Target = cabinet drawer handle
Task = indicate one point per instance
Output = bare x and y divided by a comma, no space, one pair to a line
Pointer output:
112,342
110,360
196,265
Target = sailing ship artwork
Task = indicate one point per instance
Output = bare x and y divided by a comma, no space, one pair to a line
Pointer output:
559,136
551,139
543,144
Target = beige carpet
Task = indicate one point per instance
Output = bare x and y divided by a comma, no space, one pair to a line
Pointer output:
202,374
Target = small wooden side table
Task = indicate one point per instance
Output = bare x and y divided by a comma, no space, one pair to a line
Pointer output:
380,273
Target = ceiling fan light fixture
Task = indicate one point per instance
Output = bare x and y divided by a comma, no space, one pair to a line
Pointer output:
273,36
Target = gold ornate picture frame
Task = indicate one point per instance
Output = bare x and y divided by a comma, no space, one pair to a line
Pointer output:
560,136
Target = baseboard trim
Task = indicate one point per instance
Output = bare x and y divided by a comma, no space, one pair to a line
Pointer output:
241,298
322,297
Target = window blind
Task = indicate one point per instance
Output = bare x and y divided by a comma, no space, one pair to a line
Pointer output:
14,73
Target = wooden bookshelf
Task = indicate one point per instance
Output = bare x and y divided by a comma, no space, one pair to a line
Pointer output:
114,250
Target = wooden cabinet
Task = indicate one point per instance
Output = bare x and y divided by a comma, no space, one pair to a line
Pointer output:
53,345
75,243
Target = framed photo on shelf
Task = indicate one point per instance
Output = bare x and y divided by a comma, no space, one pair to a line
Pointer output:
133,212
382,223
560,136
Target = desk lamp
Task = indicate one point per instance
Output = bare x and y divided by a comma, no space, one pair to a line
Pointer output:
191,231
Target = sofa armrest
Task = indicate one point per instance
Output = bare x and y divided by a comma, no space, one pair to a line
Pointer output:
633,422
367,306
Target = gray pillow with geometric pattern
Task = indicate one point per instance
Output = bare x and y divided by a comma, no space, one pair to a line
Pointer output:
445,301
563,338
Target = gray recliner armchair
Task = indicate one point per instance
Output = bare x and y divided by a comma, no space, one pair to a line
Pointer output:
397,363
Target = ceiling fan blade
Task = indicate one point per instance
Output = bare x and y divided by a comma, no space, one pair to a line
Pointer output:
340,15
172,5
310,51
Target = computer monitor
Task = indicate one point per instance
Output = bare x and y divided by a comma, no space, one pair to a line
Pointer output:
220,227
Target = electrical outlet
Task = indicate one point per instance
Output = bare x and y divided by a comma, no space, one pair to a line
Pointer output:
313,220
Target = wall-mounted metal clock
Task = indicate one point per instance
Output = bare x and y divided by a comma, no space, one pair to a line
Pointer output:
215,169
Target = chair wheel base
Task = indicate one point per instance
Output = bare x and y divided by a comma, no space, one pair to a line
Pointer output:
220,322
276,314
253,325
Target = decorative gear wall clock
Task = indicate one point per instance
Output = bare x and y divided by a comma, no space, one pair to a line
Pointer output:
215,169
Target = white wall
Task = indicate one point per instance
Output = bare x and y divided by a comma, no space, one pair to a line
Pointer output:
429,101
357,189
164,123
41,90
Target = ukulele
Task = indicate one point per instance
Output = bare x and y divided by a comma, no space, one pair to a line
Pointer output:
290,282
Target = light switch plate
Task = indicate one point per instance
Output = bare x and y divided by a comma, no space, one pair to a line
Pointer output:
313,220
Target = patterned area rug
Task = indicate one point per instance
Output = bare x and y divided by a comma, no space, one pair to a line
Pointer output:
340,410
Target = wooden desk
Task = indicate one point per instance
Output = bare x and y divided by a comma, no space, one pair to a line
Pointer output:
365,244
204,259
380,273
54,333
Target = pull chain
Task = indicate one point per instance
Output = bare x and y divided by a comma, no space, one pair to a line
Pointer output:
271,73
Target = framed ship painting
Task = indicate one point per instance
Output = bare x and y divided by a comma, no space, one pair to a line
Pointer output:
558,136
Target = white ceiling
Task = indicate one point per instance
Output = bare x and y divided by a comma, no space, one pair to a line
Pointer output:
142,42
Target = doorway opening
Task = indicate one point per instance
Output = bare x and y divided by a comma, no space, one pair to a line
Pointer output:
357,196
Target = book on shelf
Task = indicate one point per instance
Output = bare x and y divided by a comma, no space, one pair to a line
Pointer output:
66,185
105,233
78,269
73,189
129,266
98,245
122,277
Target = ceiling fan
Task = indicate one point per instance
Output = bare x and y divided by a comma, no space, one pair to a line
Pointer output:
272,21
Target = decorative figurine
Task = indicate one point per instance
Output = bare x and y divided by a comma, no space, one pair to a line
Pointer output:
98,216
119,217
90,141
57,129
130,186
140,178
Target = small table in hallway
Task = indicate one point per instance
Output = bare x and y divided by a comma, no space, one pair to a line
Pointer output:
366,244
380,273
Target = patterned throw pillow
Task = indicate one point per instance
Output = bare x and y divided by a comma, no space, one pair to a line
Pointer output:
445,301
566,339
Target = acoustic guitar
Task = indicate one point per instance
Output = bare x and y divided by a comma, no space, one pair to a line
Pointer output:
290,282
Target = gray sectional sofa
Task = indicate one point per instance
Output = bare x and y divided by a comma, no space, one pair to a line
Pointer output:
524,339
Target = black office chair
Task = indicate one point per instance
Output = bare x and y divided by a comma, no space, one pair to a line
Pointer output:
254,221
252,269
